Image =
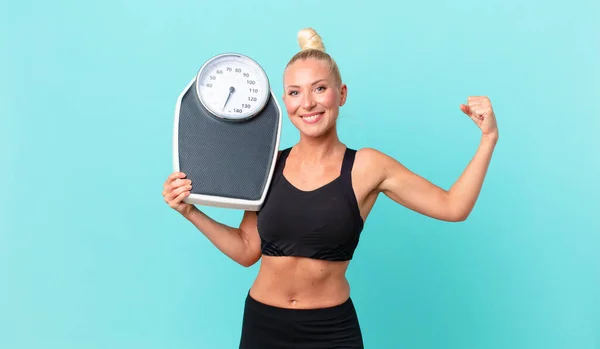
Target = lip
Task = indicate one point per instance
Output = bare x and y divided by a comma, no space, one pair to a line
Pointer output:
314,120
311,114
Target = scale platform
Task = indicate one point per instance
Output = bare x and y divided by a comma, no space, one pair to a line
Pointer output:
230,162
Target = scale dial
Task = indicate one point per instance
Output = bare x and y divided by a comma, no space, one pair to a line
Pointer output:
233,87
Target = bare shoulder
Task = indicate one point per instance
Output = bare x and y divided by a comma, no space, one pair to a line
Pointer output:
373,159
370,154
372,165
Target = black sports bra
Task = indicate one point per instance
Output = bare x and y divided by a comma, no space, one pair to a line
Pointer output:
324,223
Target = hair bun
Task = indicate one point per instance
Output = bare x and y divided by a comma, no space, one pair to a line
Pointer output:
309,39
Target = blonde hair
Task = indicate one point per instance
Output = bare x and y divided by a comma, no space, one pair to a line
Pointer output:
311,46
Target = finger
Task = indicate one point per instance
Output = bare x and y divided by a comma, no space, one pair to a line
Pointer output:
479,112
182,196
174,176
173,193
470,110
177,184
167,189
484,103
180,182
177,201
477,99
465,109
479,107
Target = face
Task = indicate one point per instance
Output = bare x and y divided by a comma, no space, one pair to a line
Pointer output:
312,97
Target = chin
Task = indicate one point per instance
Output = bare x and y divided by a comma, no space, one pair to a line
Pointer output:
313,133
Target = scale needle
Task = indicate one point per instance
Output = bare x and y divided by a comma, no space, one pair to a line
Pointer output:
231,90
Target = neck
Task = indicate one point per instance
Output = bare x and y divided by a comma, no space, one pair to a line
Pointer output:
314,149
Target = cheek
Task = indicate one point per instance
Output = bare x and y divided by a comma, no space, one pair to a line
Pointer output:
291,105
329,100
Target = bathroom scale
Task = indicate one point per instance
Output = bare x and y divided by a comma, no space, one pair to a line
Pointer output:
226,133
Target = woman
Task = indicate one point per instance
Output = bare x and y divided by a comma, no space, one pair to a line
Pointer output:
320,196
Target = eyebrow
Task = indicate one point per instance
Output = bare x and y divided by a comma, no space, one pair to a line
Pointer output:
314,83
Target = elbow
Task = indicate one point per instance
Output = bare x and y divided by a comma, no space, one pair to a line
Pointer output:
247,263
460,216
458,213
250,260
455,211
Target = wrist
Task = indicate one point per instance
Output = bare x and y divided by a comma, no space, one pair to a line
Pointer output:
490,138
190,211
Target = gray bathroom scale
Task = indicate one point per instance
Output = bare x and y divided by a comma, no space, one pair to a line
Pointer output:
226,133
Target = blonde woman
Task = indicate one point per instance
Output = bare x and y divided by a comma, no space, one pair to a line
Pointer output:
320,196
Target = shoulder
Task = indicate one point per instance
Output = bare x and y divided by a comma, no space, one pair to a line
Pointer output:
373,166
371,157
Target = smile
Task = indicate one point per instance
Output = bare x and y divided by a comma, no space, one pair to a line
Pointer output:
312,117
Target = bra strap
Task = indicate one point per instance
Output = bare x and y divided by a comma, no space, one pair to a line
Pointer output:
347,164
281,162
346,177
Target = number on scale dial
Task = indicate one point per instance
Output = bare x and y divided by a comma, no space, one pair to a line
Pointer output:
232,86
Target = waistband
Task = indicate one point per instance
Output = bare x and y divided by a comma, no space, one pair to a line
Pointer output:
344,309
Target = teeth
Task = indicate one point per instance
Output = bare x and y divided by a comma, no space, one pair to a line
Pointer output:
311,118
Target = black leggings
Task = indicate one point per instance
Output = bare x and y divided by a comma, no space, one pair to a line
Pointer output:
268,327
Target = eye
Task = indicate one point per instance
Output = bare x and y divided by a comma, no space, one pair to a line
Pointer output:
293,93
320,88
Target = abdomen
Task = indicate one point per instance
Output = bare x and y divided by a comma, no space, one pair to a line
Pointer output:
298,282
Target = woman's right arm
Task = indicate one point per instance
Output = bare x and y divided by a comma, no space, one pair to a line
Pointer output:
241,244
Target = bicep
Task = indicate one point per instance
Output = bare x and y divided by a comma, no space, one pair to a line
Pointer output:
249,232
249,227
413,191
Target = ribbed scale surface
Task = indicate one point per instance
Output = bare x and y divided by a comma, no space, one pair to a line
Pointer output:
224,158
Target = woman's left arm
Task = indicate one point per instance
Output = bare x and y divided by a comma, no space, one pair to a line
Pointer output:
420,195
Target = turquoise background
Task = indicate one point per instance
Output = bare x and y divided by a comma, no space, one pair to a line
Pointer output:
92,257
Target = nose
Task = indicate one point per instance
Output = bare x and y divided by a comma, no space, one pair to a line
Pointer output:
307,101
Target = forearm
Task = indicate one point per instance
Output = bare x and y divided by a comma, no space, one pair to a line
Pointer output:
233,242
465,191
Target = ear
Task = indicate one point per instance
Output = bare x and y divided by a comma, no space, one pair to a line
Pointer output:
343,94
